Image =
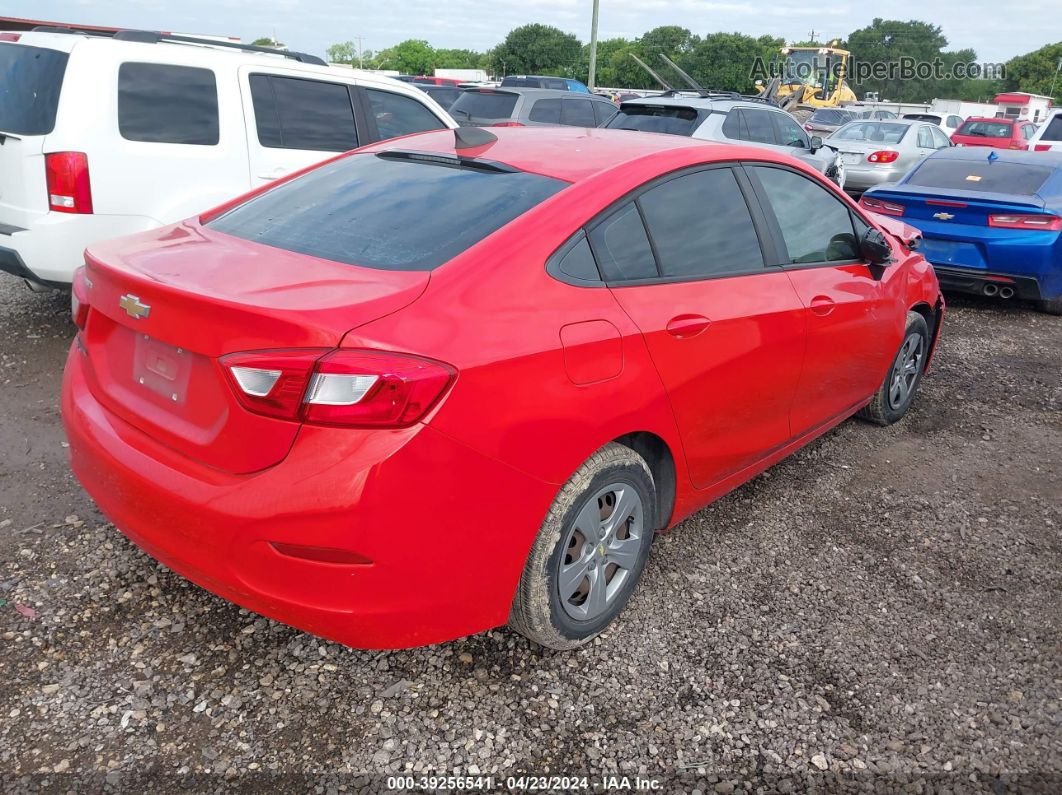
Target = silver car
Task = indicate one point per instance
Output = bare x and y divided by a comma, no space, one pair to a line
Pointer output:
727,117
875,152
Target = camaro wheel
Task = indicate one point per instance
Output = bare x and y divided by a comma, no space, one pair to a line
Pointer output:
590,551
895,396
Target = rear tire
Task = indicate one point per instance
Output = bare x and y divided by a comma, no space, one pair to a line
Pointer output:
590,551
896,394
1050,306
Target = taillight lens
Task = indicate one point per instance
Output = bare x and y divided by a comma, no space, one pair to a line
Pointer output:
1043,147
67,177
882,206
886,156
1043,223
79,298
351,388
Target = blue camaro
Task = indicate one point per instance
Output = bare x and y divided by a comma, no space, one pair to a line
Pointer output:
991,220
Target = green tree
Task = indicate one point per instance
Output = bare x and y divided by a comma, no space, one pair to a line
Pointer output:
266,41
414,57
1036,72
537,49
457,59
345,52
607,74
725,60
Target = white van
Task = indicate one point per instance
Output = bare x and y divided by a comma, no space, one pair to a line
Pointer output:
107,136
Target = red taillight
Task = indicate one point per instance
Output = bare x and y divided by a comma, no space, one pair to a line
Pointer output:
79,298
886,156
7,36
1043,223
508,124
67,177
881,206
352,388
1043,147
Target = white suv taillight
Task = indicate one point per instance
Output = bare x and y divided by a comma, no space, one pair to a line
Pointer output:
67,177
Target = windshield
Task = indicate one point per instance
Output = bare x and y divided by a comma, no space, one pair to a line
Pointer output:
871,132
803,66
30,81
655,118
391,211
982,176
987,129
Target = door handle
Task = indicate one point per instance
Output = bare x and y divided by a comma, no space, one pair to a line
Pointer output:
685,326
822,305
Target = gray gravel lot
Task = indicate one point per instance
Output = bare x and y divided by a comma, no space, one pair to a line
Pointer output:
881,611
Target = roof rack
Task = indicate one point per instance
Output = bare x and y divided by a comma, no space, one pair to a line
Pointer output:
154,37
709,93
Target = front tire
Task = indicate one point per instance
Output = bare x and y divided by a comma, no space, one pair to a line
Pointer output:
897,393
590,551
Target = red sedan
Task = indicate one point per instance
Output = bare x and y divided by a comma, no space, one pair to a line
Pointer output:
995,133
459,380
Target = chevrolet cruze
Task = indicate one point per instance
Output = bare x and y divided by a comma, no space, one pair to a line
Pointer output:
462,379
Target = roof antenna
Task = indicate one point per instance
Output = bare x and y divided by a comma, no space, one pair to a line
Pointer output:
654,75
472,137
692,83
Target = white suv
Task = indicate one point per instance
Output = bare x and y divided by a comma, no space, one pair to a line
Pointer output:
107,136
1048,136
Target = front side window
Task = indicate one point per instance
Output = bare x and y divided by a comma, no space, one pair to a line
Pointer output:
400,115
789,132
161,103
383,210
292,113
942,141
701,225
815,225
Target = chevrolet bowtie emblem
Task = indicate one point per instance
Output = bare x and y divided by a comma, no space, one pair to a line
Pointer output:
943,216
133,306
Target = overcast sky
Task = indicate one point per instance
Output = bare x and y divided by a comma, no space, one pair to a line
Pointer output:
996,30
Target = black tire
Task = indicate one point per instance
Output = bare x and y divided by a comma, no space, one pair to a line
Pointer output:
1050,306
539,611
886,408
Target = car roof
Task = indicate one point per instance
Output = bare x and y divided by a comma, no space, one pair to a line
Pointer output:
979,153
698,102
573,154
993,118
537,93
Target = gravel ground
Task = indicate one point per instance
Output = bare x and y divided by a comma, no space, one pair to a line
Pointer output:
880,611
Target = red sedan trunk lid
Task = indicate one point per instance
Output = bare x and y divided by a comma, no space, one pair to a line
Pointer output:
166,305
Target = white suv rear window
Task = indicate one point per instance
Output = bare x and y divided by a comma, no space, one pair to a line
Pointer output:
30,81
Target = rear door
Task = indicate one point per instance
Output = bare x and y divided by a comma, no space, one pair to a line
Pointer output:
849,312
294,122
725,329
31,79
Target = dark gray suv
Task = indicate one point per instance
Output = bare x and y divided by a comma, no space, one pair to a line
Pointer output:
530,107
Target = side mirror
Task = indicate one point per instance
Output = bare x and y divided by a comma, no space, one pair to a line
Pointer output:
875,249
816,143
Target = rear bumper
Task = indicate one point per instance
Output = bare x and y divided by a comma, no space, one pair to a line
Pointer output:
858,178
975,282
446,537
51,249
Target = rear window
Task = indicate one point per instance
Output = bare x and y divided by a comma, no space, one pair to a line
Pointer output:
987,129
1017,179
877,132
30,81
384,211
1053,131
656,118
830,116
922,117
484,105
160,103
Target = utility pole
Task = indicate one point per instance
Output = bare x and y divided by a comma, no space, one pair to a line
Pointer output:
811,36
361,60
1055,80
592,78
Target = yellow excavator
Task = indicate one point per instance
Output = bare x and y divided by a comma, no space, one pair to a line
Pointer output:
811,78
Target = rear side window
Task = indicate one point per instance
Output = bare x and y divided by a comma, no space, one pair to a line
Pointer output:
603,111
484,105
1019,179
161,103
578,113
621,246
743,124
656,118
383,211
701,225
546,111
400,115
789,132
30,81
1053,131
292,113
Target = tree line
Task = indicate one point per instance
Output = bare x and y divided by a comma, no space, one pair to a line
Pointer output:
721,60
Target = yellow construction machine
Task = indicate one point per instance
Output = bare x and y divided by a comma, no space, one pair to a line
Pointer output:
811,77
